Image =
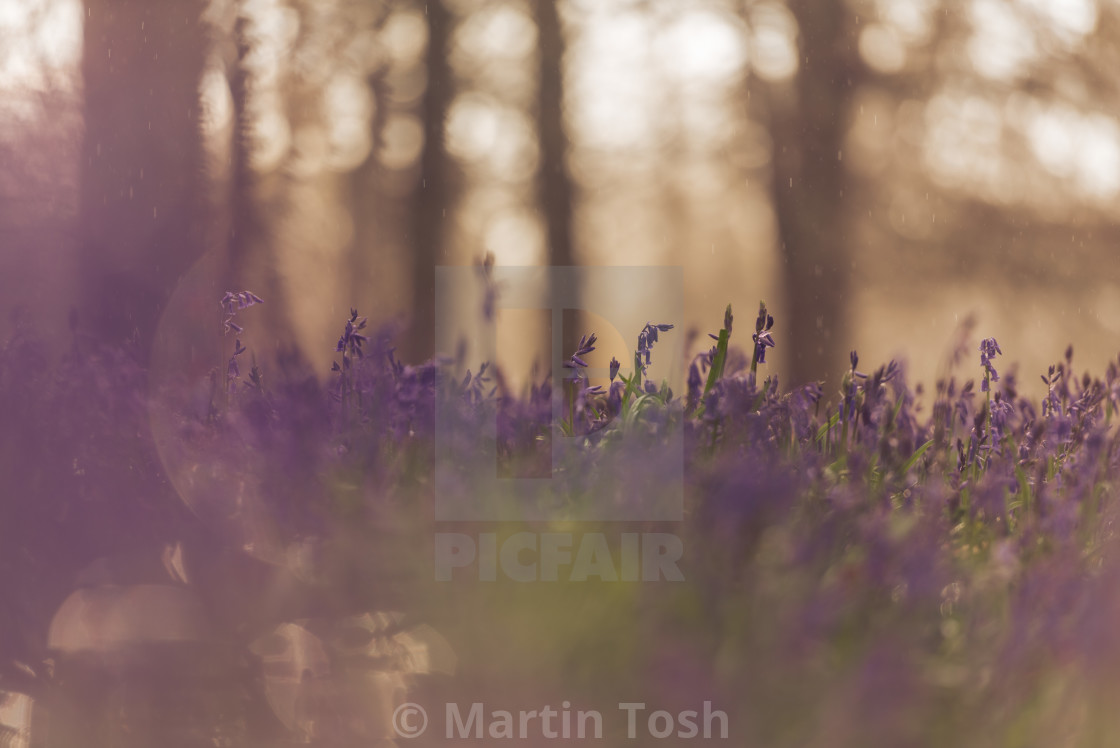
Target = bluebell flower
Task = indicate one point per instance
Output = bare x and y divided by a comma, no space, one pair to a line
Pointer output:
989,348
231,303
351,341
1002,411
762,336
233,371
646,338
764,321
586,345
762,341
234,301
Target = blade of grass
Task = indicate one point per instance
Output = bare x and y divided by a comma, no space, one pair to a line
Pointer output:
915,457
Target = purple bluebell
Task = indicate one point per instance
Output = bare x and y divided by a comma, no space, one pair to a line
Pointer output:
575,361
989,349
351,341
646,338
234,301
762,341
762,336
233,371
231,303
764,321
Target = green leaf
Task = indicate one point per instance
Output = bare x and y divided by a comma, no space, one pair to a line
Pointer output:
915,457
718,360
827,426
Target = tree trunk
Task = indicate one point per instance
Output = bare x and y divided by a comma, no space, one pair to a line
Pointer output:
810,187
140,212
433,193
554,186
243,216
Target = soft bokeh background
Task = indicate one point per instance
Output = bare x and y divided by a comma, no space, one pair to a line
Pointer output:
879,171
876,170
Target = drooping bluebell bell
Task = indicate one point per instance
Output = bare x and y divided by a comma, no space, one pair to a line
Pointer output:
351,341
646,338
763,339
1001,414
575,361
234,301
233,371
989,349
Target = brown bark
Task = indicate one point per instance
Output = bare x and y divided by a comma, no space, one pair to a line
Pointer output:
810,186
554,185
140,214
241,205
433,193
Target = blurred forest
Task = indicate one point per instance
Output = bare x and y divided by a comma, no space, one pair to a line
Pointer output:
876,170
880,172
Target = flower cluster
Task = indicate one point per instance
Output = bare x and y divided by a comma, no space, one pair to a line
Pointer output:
576,363
233,302
949,563
646,338
351,341
762,337
989,349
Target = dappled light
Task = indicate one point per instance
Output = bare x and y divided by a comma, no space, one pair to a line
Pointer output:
491,137
360,355
42,44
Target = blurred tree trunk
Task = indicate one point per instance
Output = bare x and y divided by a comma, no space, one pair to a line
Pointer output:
250,260
554,186
241,204
433,193
371,216
809,118
140,210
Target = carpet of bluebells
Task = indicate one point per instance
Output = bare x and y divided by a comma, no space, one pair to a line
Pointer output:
876,565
